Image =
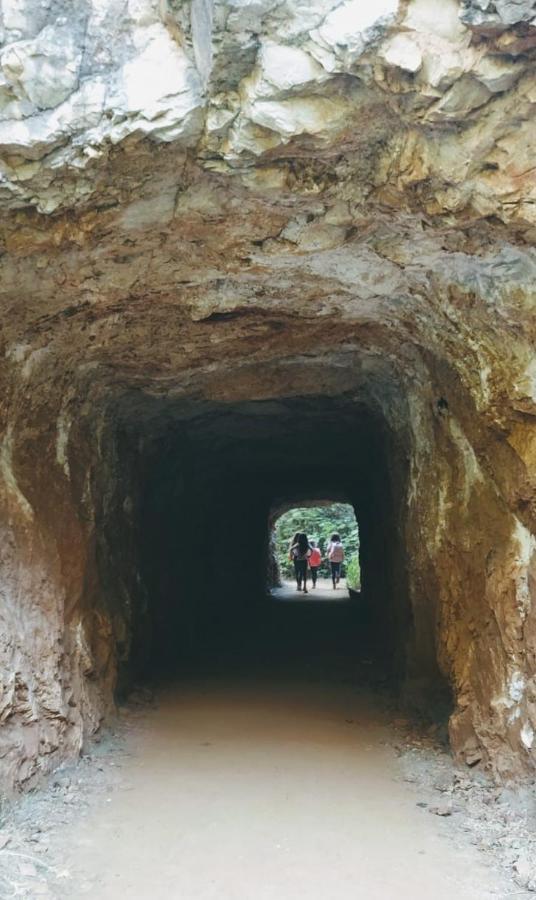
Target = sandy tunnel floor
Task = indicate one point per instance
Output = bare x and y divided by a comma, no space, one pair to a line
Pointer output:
251,790
242,791
268,782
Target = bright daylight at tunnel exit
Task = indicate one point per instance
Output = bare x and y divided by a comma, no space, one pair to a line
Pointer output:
267,449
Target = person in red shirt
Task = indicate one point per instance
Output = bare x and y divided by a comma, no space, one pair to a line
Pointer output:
315,561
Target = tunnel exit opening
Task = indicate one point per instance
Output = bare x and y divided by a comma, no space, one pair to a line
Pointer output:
325,523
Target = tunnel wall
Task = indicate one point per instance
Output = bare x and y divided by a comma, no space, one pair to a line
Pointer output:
471,576
57,644
114,545
72,602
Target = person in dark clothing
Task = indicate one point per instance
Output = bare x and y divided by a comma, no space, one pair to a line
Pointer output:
291,554
301,552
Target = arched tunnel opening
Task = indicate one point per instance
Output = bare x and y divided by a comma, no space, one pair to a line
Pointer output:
141,509
196,501
320,519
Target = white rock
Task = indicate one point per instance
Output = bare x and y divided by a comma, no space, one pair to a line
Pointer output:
142,12
499,14
24,17
283,68
248,75
45,69
527,735
525,867
39,135
299,17
219,119
438,18
246,136
348,28
403,52
514,11
159,80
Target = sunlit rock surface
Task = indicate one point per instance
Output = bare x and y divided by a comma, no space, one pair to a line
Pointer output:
213,203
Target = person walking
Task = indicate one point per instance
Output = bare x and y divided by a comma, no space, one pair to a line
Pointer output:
335,555
292,554
315,561
301,552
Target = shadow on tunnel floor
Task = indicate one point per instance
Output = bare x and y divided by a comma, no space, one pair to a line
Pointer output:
298,641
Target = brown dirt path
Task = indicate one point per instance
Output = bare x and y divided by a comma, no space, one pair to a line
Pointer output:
261,789
268,771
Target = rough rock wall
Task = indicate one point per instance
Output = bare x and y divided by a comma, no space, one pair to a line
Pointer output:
55,644
239,200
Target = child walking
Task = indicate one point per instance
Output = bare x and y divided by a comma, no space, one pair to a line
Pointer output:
315,561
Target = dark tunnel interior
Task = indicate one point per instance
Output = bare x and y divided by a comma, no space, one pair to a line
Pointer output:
208,483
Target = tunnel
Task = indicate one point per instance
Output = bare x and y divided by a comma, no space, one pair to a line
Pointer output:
252,258
142,500
166,493
158,518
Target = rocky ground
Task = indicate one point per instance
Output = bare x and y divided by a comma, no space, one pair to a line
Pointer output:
31,864
499,820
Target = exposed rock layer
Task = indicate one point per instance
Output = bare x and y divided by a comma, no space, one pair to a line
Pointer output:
227,226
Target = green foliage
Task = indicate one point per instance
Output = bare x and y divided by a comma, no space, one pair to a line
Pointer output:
318,523
353,573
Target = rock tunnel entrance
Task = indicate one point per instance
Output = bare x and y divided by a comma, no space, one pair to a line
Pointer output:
318,243
166,498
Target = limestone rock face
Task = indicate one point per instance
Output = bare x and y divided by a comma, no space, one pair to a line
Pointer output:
499,14
224,222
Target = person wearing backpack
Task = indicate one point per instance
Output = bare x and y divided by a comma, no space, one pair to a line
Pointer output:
301,551
335,555
315,561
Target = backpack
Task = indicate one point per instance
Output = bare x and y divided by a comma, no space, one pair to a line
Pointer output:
315,558
336,553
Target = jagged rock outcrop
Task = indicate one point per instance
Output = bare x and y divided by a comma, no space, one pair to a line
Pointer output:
218,217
